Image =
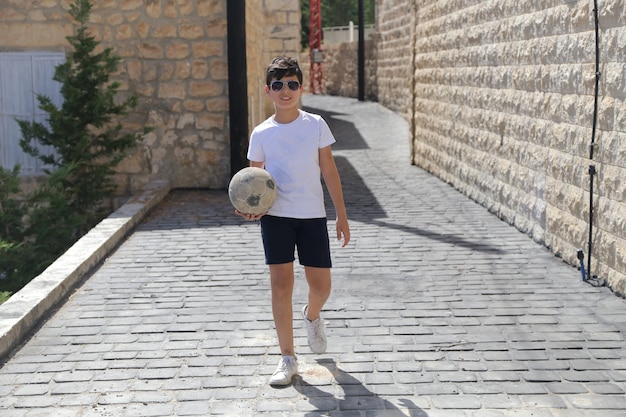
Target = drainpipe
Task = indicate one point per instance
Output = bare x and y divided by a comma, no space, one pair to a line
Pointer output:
361,52
592,168
237,84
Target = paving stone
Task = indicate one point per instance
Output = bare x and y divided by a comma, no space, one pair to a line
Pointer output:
460,402
604,402
606,389
566,388
149,410
457,377
194,408
543,401
194,395
433,389
500,376
438,309
509,365
523,388
116,398
549,365
540,376
487,413
32,390
587,413
500,401
584,376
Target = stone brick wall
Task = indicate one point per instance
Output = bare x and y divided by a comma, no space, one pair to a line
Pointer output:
174,57
503,98
272,29
256,33
340,70
396,32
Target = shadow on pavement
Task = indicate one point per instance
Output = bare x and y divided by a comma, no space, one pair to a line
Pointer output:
363,206
361,203
356,397
349,137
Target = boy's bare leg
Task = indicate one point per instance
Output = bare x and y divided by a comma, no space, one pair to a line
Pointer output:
319,289
282,279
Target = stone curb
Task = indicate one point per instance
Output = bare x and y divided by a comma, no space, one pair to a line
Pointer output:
20,313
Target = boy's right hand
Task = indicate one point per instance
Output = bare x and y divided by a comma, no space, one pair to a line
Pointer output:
250,217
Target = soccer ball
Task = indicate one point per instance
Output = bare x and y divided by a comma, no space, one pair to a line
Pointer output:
252,190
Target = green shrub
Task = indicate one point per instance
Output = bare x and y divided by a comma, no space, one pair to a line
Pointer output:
12,212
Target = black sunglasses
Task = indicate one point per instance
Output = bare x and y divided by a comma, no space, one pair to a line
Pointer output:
278,85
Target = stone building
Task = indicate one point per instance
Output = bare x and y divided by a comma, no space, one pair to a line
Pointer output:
174,58
500,98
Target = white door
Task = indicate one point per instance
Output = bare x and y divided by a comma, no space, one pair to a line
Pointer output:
22,77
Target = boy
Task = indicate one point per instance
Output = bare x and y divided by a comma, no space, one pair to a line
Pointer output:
294,146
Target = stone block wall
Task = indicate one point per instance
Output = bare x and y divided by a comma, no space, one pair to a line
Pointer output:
272,29
503,108
256,32
340,70
396,32
174,58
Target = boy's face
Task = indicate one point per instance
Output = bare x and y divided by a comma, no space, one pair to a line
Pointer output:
284,93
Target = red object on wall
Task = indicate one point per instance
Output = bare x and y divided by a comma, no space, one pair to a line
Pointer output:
315,46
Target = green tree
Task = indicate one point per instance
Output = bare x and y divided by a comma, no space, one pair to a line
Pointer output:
85,132
88,141
337,13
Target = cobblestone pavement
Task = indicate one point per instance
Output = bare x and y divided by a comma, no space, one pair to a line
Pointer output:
438,309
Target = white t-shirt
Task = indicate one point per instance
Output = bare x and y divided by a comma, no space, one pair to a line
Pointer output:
291,154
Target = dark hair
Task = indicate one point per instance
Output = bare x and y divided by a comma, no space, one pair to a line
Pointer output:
282,66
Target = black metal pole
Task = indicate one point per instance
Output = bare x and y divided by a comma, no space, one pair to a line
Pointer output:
597,80
237,84
361,52
592,168
592,172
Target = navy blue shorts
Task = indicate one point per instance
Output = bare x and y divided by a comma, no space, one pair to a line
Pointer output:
282,235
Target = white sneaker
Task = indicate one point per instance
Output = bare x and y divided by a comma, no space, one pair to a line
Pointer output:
287,368
315,333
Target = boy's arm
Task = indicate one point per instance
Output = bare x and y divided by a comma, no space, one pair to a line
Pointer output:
333,183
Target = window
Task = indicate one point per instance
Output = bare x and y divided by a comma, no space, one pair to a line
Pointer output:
22,76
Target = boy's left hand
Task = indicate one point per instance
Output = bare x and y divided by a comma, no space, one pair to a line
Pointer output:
343,229
250,217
